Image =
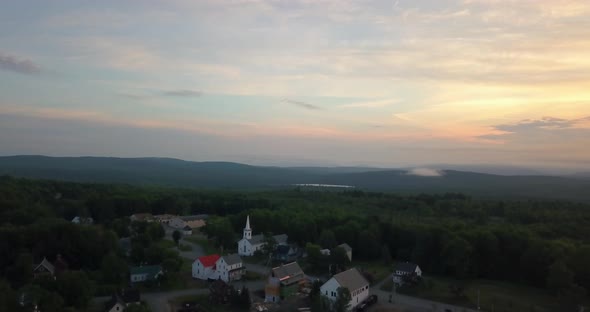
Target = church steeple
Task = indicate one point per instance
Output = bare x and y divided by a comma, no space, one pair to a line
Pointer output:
247,229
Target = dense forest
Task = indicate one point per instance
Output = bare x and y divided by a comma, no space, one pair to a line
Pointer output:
541,243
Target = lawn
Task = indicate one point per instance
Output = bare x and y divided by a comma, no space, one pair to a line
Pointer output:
494,295
202,301
377,269
207,244
184,247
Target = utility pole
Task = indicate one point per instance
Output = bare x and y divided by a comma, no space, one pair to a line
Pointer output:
478,307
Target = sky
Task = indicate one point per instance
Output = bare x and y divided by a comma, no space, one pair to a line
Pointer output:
299,82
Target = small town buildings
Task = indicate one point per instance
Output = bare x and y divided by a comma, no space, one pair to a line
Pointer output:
348,250
83,220
230,268
142,217
405,270
286,253
177,223
196,221
164,218
120,301
204,267
249,243
284,281
352,280
187,230
213,267
145,273
45,267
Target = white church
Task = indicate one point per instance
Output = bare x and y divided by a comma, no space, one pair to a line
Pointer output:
249,244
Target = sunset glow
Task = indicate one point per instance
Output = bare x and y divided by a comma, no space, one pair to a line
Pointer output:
337,82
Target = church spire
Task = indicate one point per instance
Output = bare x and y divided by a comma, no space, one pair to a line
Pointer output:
247,229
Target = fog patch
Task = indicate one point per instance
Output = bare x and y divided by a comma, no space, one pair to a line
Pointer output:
425,172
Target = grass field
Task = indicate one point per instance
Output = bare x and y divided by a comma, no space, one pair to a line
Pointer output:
493,295
207,245
202,301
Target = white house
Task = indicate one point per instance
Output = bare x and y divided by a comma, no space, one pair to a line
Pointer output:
352,280
120,301
405,269
82,220
230,268
249,243
145,273
187,230
204,267
227,268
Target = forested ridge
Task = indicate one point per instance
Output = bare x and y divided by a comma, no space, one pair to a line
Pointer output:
235,176
541,243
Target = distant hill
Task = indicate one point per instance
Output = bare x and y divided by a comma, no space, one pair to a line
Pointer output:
179,173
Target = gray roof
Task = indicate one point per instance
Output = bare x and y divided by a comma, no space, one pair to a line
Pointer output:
47,265
256,239
406,267
259,238
351,279
232,259
281,238
345,246
289,273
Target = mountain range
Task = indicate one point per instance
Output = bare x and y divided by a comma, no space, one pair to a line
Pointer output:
228,175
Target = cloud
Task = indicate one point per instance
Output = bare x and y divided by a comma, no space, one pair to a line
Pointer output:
545,123
425,172
182,93
15,64
302,104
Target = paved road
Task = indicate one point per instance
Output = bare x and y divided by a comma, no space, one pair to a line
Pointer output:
196,250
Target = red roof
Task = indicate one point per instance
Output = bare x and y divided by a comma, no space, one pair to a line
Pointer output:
209,260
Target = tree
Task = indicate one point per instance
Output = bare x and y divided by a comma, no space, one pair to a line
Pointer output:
313,253
343,298
45,300
386,255
21,272
8,298
269,244
559,278
171,265
138,308
176,235
327,239
338,257
114,269
75,288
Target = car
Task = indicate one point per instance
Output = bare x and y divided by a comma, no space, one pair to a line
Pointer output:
371,300
361,307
